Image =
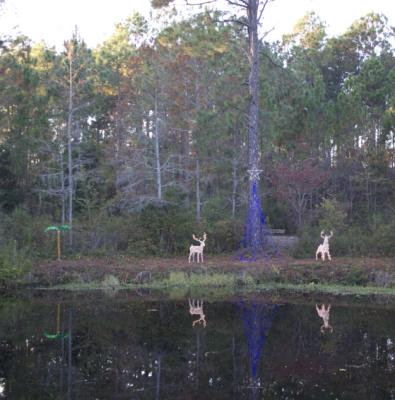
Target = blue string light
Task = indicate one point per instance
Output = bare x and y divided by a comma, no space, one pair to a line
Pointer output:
257,320
256,240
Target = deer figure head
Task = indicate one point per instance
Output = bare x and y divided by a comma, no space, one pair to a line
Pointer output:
326,237
198,250
196,308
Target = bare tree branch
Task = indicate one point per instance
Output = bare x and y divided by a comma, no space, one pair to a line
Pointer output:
263,9
75,109
236,21
243,4
200,3
266,33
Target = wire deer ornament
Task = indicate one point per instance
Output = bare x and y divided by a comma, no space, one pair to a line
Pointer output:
198,250
323,248
196,308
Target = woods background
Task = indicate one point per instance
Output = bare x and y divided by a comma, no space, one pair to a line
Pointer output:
142,141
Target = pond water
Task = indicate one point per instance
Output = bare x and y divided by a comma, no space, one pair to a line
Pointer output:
125,346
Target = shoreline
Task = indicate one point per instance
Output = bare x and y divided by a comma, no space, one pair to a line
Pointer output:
341,276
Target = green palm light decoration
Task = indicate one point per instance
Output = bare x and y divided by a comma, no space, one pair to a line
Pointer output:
58,229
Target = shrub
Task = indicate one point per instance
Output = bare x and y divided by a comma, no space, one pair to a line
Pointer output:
13,263
331,216
109,282
307,245
382,240
224,236
28,232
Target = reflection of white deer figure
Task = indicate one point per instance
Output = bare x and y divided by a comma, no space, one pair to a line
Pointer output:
324,314
196,308
198,250
324,247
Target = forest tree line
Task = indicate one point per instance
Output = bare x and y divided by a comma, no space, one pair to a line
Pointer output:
142,141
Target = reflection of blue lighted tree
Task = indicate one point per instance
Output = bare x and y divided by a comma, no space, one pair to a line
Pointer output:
256,240
257,320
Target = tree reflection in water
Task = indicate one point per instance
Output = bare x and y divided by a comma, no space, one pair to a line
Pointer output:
257,320
58,363
126,348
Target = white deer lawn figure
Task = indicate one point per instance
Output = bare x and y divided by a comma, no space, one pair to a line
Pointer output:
323,248
196,308
198,250
324,314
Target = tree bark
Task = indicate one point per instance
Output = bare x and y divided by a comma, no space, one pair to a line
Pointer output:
63,216
235,165
157,151
198,209
253,83
69,138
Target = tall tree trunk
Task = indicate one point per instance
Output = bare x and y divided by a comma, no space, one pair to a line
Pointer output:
254,239
63,216
198,205
253,83
157,150
118,139
235,163
69,138
234,185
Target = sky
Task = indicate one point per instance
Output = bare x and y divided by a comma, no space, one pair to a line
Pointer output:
54,20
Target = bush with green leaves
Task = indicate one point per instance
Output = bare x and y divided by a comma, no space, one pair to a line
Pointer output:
224,236
332,216
13,263
354,240
27,231
308,243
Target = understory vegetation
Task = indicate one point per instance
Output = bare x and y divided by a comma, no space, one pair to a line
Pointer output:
225,284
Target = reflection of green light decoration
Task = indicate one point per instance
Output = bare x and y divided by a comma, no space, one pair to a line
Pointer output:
58,229
58,334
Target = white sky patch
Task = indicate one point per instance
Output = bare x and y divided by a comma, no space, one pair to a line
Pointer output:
338,14
54,20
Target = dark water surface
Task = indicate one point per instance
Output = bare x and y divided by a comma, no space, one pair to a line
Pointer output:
124,346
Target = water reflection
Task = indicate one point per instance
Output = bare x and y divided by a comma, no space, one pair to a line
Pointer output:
196,308
59,369
119,348
257,320
58,334
323,312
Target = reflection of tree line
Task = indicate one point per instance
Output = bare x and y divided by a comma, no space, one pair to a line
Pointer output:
111,351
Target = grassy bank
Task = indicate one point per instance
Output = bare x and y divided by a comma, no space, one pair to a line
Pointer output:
340,277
